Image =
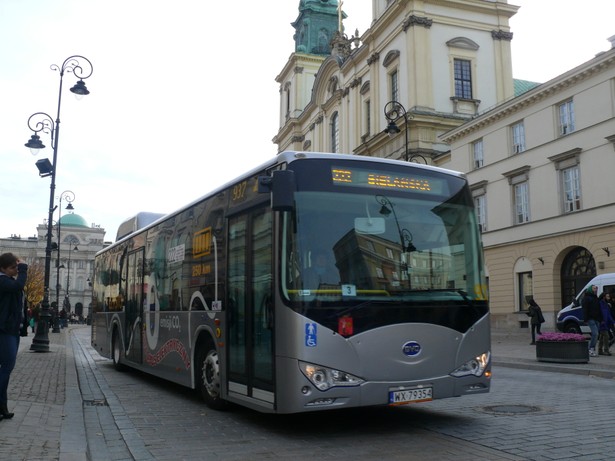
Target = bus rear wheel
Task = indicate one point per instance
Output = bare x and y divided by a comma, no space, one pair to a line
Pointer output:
116,348
208,376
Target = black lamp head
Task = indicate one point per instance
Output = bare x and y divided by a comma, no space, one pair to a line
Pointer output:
392,129
80,89
35,143
385,210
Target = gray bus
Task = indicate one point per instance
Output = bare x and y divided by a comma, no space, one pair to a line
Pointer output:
316,281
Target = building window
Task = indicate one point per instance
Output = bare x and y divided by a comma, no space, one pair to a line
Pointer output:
566,118
526,289
394,86
463,78
479,195
522,202
480,206
367,106
335,133
518,138
477,152
519,182
389,253
571,187
379,273
287,103
569,173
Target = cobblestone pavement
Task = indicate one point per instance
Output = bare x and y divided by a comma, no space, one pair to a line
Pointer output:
70,404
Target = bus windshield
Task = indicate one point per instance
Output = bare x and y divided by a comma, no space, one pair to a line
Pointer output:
374,249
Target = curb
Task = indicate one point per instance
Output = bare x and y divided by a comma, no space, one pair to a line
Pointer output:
528,364
73,438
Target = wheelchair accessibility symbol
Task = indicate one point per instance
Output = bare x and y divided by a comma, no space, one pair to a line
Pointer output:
310,335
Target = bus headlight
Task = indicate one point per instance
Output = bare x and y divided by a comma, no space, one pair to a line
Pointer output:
325,378
475,367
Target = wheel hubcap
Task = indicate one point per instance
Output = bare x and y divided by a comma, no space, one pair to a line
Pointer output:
211,374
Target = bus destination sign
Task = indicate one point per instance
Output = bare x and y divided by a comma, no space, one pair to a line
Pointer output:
385,180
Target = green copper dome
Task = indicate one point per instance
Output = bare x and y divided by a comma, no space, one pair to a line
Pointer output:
73,220
315,26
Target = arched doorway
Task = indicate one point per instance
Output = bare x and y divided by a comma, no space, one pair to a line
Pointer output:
79,309
578,268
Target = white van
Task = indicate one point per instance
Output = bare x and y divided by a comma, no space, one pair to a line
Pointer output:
570,318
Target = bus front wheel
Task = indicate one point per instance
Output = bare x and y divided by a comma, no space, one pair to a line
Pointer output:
208,369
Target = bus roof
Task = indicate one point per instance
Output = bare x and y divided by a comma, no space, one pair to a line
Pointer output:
148,219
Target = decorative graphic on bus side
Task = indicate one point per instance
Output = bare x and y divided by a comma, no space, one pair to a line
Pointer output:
151,313
176,254
201,243
172,345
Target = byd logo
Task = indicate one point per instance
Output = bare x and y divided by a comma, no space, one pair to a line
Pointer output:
411,348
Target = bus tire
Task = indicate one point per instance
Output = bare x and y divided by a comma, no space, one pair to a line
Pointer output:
116,351
208,377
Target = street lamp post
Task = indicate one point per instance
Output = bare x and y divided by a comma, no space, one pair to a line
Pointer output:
42,122
66,304
69,196
392,111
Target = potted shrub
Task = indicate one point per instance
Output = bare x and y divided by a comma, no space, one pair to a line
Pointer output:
562,348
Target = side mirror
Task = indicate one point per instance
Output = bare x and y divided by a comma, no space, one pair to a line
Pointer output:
281,185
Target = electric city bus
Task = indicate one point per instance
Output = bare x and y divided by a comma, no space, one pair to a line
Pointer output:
316,281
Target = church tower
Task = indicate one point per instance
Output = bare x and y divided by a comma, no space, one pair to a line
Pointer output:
317,30
315,26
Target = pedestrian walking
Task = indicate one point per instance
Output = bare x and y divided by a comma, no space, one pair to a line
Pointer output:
536,318
606,324
592,315
13,276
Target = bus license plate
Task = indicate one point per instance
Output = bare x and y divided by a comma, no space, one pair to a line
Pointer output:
422,394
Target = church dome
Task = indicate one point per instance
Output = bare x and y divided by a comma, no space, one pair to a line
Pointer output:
73,220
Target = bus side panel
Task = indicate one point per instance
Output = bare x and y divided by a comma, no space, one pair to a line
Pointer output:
167,352
101,333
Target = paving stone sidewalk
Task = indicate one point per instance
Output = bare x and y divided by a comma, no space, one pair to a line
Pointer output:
37,396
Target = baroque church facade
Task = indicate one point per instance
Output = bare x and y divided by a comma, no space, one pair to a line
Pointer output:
441,70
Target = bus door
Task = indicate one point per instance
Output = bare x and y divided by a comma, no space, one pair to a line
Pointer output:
134,315
250,308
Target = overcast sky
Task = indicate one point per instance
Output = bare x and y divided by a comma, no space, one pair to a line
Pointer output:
175,83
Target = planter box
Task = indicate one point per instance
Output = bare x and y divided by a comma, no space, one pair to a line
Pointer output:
562,351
